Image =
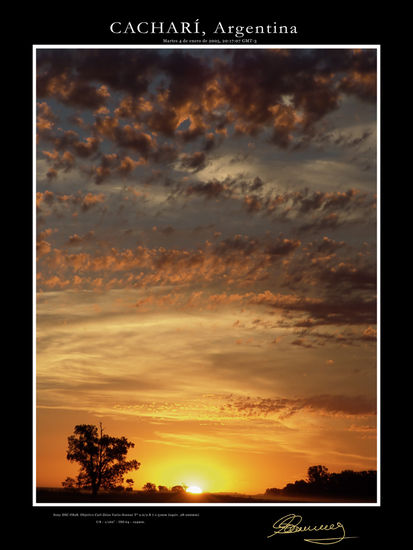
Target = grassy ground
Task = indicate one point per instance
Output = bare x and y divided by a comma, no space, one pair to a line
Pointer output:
50,495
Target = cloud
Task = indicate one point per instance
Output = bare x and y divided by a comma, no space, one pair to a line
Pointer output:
59,161
168,230
333,266
67,147
320,211
325,246
212,189
309,79
238,260
84,201
42,245
314,338
86,148
70,140
370,334
75,240
46,197
341,405
71,91
111,165
45,119
195,161
314,211
284,91
302,343
348,274
363,85
344,290
323,310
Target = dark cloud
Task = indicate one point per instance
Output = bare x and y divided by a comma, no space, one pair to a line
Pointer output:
343,139
240,260
210,142
254,82
210,190
256,184
130,138
135,140
174,107
329,222
239,244
282,246
350,275
76,239
168,230
343,338
341,404
67,147
284,407
337,311
45,119
287,91
42,245
86,148
326,246
302,343
188,76
334,267
229,187
84,201
58,76
320,211
51,174
191,134
123,70
323,310
328,201
111,165
195,161
360,84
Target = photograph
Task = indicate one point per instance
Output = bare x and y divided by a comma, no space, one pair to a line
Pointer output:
206,217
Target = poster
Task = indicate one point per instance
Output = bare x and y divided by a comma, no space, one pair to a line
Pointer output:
206,202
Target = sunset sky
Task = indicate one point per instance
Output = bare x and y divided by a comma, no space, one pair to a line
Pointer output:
206,260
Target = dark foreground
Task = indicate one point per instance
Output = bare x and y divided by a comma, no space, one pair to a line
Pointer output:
51,495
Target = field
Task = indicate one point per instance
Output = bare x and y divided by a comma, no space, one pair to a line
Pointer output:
55,495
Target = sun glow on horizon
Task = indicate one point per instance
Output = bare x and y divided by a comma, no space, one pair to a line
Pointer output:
194,489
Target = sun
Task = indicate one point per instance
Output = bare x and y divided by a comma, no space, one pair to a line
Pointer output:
194,489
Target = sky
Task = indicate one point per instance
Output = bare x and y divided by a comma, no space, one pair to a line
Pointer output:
206,260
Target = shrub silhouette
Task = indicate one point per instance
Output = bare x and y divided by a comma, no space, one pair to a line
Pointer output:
180,489
319,482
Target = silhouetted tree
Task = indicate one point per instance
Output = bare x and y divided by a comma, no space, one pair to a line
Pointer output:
317,474
273,491
298,487
129,483
178,489
163,489
151,487
70,483
102,458
347,483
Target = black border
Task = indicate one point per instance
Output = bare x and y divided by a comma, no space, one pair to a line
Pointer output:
235,526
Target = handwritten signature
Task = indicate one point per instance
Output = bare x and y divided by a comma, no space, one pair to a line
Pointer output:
291,523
